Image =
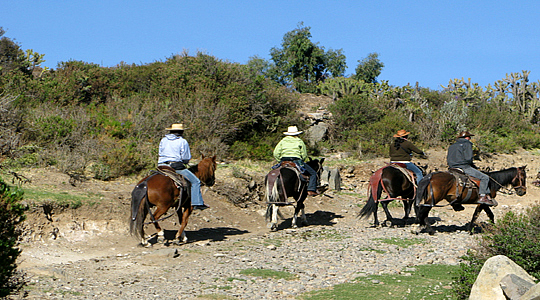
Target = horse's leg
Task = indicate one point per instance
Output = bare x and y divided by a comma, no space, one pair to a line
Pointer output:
273,220
295,216
490,214
476,213
407,206
183,218
160,210
388,215
423,219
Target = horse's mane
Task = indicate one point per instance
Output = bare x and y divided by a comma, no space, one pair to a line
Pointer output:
502,177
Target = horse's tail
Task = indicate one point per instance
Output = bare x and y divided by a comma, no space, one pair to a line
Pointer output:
272,195
371,205
138,213
422,190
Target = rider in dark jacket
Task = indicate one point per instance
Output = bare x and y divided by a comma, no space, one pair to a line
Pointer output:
401,152
460,155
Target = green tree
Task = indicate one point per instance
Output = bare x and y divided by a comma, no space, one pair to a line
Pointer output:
302,64
11,216
369,68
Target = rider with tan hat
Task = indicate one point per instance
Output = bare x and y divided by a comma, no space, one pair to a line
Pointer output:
174,152
401,152
292,148
460,155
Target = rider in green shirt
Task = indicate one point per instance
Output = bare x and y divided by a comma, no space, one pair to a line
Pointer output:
292,148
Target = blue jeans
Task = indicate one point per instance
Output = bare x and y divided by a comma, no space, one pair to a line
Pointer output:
196,195
484,179
416,170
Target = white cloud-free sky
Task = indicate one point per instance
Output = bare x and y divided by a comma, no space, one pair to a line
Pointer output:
425,41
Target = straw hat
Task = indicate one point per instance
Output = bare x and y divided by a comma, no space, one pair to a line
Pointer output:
401,133
292,130
176,127
464,134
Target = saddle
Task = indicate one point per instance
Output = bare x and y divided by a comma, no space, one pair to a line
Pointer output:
408,173
463,179
179,180
377,176
272,176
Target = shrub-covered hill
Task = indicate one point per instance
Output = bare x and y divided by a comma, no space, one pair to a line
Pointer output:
111,119
83,117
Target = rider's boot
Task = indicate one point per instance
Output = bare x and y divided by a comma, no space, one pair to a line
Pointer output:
485,199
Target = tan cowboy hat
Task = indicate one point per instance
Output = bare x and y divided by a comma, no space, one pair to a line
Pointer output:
464,134
401,133
176,127
292,130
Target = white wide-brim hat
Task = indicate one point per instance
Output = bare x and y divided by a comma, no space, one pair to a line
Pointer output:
176,127
292,130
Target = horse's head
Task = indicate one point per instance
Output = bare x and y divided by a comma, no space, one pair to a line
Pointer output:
316,165
206,170
520,181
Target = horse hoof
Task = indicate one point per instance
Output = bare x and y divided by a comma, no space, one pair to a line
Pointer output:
294,226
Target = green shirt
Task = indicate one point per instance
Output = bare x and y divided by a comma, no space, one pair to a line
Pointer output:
290,146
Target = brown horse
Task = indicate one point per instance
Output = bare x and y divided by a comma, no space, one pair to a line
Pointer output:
396,182
439,186
161,191
284,182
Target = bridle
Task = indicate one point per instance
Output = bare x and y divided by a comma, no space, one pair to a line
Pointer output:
519,177
521,180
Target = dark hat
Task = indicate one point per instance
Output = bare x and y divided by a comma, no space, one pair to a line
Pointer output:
464,134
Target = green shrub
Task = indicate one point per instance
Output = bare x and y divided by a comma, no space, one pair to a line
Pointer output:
517,236
11,216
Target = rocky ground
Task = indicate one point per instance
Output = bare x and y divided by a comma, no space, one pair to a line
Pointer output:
87,252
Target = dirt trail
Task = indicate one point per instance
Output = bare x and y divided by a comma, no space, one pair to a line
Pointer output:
101,229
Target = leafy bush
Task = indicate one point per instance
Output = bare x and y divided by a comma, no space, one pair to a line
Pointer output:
11,216
350,112
515,236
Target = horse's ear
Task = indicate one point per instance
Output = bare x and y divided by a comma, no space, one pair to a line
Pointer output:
322,160
202,155
214,158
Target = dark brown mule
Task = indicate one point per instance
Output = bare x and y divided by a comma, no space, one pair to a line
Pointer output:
439,186
283,183
397,185
160,191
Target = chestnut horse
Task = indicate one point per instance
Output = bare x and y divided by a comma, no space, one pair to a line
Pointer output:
161,191
284,182
397,185
439,186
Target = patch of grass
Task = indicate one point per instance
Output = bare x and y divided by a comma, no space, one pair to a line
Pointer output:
266,273
325,234
61,198
404,243
426,282
234,278
215,296
373,249
275,242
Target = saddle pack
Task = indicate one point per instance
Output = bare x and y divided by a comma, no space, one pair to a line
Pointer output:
464,181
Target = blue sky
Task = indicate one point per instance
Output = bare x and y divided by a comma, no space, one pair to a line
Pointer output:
430,42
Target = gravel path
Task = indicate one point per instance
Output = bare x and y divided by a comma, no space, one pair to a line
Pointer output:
319,255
